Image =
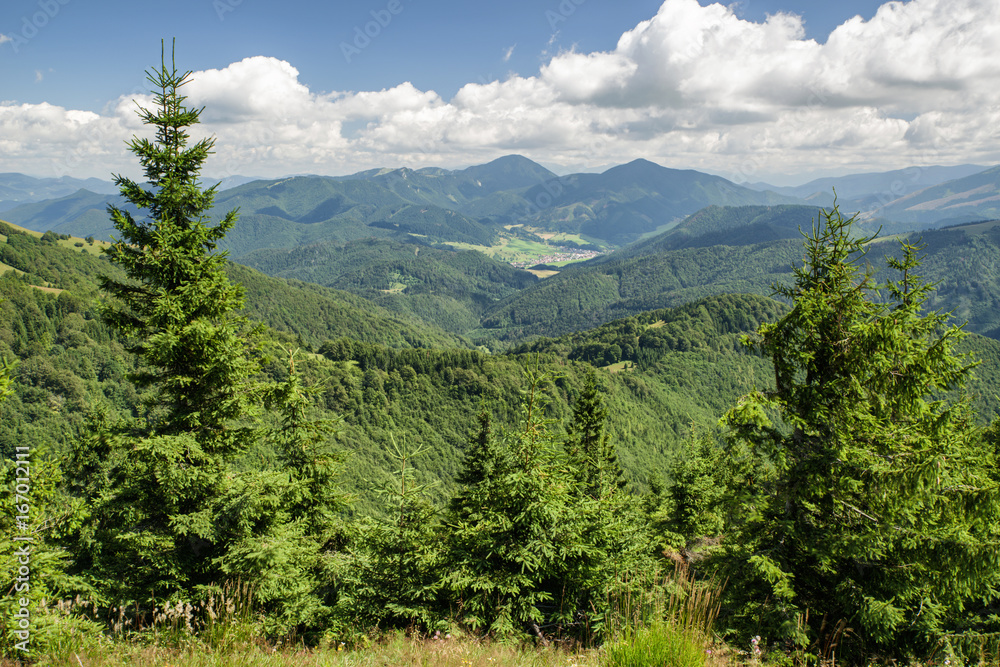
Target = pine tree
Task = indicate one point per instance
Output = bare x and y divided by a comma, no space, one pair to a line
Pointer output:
307,453
870,505
689,507
159,524
178,309
589,448
395,577
612,540
510,531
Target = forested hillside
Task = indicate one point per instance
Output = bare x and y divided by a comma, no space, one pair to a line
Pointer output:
739,250
69,361
451,289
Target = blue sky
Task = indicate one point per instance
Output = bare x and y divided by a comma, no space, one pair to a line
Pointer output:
744,89
88,53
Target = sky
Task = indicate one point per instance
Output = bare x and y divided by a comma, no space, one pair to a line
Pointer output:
755,90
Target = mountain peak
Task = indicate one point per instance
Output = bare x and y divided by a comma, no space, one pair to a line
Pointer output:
509,172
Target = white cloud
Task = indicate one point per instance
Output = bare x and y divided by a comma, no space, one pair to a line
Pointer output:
508,52
692,86
5,38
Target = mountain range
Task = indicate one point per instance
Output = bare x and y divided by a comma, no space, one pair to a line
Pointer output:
473,205
392,237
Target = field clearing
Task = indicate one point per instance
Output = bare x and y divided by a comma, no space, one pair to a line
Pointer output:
4,268
509,249
620,367
561,237
72,243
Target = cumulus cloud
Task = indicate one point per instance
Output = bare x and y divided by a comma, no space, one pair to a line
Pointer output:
692,86
5,38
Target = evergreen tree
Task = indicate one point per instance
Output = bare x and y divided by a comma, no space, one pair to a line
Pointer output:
870,505
612,538
178,309
690,506
162,501
395,577
589,448
510,531
303,443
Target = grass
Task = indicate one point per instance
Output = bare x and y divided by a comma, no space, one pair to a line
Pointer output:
667,619
619,367
224,630
392,652
659,643
509,249
670,624
72,243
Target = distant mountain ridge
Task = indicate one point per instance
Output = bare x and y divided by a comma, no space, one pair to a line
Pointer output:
613,207
630,200
887,185
17,189
512,200
969,199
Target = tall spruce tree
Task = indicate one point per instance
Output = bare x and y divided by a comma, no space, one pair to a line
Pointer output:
589,447
613,540
509,528
178,310
869,520
164,501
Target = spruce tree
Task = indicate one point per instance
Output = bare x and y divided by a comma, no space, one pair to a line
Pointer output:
158,525
510,531
178,311
867,503
612,539
589,447
395,575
